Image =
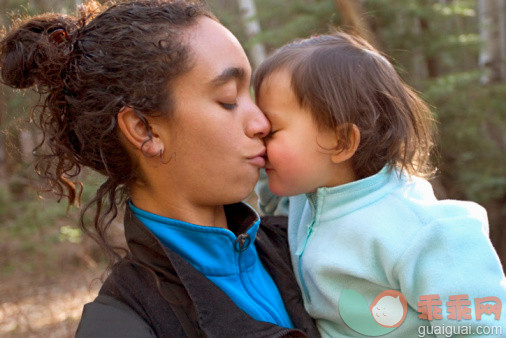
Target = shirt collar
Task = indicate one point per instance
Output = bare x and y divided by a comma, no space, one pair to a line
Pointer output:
352,196
211,250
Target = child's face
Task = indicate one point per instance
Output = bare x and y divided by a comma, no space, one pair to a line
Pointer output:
298,153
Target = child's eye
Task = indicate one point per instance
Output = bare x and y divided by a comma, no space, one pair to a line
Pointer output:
228,106
272,133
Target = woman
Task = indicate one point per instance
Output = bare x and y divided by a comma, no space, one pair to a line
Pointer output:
155,96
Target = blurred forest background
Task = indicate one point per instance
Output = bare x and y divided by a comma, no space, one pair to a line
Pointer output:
452,51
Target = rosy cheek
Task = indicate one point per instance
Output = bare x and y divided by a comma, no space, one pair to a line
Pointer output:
280,156
274,152
287,159
271,146
294,167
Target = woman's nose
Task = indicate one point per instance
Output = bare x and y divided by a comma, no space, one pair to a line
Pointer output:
257,124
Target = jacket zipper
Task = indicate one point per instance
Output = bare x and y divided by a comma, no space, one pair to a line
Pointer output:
312,202
259,300
300,254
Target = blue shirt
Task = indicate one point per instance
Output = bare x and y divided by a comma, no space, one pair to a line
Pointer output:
229,261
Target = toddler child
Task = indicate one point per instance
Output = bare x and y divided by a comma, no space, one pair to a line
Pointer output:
372,248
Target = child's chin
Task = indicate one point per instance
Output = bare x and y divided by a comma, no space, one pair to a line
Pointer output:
279,191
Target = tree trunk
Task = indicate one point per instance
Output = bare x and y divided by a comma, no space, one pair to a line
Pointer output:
430,60
252,28
502,36
3,160
490,52
13,156
3,152
419,64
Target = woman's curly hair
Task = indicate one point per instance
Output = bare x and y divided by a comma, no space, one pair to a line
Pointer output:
86,70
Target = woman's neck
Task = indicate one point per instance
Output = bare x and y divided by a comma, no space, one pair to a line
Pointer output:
177,207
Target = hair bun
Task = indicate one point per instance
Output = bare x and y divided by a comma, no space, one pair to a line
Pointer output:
36,51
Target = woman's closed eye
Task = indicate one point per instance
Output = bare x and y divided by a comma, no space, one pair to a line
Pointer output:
228,106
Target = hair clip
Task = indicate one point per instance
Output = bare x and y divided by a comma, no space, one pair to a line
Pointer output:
58,36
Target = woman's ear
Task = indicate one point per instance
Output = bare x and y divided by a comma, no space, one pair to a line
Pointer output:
353,135
137,133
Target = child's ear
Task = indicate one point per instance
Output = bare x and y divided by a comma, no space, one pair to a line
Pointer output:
353,138
136,132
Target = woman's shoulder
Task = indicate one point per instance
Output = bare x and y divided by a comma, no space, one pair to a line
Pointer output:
109,317
133,300
272,238
275,226
272,248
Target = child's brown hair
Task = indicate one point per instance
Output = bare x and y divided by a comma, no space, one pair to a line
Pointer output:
343,80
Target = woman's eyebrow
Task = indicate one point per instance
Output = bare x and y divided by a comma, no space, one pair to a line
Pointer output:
228,74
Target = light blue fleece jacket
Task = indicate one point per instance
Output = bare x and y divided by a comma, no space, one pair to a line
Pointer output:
218,255
390,232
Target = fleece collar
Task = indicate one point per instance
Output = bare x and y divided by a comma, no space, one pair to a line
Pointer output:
212,251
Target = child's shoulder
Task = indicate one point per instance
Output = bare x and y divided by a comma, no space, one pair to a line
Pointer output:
417,195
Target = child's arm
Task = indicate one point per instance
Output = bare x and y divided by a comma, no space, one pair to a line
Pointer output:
453,260
268,203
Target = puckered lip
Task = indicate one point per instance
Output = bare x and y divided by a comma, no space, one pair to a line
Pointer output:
260,154
258,160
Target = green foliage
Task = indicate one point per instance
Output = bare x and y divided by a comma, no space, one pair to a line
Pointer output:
70,234
427,29
284,21
472,135
227,12
281,21
27,229
32,226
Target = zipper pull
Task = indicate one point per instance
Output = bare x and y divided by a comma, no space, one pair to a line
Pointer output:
242,242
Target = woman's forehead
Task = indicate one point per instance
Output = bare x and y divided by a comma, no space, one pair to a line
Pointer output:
217,54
